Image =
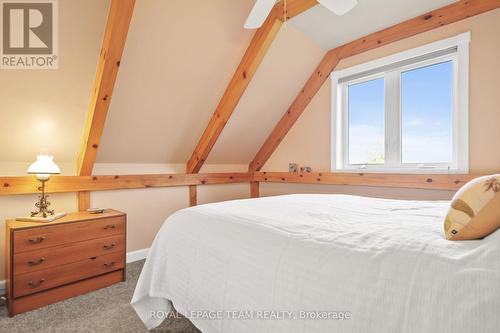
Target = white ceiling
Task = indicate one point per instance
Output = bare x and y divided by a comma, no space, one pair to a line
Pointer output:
330,30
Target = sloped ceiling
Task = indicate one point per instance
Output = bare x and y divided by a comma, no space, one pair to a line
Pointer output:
330,30
177,61
283,72
47,108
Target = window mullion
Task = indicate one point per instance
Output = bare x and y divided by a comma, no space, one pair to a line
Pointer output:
345,125
392,120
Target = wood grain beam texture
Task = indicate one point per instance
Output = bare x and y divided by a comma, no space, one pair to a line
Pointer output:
446,15
115,35
254,189
246,70
193,195
60,184
416,181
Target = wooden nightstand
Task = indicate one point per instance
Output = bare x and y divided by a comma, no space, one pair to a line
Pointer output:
50,262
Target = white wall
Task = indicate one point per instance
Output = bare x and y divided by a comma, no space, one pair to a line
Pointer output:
308,142
146,209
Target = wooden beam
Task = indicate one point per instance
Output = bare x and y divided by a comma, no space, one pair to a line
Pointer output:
193,195
83,201
455,12
120,14
296,7
60,184
417,181
254,189
244,73
247,68
446,15
115,35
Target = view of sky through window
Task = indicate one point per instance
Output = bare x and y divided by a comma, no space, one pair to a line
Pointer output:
366,122
426,117
426,114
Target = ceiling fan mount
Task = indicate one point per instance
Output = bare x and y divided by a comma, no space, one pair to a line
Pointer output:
262,8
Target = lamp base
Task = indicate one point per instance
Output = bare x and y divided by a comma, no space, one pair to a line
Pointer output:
41,219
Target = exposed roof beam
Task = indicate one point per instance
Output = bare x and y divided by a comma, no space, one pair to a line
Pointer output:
254,54
452,13
296,7
120,14
455,12
115,35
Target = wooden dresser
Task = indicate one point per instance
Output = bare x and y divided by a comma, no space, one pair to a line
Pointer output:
50,262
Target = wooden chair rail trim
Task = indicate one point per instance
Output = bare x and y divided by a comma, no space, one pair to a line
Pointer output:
448,182
60,184
455,12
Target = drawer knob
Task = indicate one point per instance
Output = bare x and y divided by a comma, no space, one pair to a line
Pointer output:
36,240
109,264
110,246
110,226
36,284
36,262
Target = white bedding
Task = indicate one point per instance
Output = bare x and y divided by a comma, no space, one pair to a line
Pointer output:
384,263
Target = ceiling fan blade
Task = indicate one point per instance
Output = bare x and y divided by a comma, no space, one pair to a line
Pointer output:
339,7
259,13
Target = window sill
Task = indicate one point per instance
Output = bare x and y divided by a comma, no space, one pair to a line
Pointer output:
420,171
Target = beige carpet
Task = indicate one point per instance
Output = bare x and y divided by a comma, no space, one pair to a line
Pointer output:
105,310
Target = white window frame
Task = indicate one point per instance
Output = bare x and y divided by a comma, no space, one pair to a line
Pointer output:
393,163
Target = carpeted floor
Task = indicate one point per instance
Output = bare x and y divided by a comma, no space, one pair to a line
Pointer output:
105,310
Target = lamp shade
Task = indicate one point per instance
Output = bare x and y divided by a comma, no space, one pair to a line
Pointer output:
44,165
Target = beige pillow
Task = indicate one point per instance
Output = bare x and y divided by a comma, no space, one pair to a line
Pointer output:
475,210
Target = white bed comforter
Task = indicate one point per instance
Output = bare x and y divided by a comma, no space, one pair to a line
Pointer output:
384,263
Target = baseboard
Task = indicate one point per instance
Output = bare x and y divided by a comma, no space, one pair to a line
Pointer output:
131,257
137,255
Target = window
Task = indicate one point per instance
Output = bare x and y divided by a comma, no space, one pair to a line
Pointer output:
366,122
427,114
404,113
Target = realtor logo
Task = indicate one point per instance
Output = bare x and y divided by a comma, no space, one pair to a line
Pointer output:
29,34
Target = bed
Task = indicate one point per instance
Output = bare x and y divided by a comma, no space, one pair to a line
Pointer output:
320,263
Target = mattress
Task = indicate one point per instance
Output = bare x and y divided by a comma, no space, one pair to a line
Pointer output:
319,263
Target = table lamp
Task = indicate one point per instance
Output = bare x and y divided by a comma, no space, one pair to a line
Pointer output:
43,167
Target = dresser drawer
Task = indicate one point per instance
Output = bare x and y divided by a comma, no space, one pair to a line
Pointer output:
33,261
30,283
47,236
